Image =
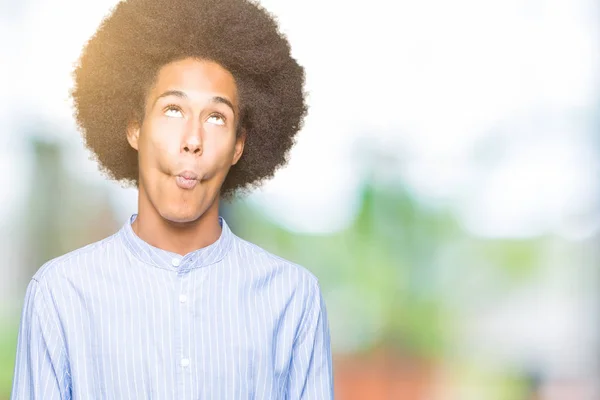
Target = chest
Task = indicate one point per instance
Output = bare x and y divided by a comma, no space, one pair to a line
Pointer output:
192,336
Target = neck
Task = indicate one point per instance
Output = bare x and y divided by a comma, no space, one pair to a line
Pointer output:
177,237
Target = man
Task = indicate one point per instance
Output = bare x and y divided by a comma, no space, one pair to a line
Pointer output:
191,101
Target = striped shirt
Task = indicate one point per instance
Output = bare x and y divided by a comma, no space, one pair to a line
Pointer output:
121,319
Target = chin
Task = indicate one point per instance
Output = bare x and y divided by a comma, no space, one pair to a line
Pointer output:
181,216
181,207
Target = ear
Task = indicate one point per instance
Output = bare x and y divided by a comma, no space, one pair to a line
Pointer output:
133,134
239,146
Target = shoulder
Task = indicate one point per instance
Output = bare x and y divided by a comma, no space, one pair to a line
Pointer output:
265,263
71,262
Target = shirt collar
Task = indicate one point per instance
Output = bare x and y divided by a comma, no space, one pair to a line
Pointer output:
172,261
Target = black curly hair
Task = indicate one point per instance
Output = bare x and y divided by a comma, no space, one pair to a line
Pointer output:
120,63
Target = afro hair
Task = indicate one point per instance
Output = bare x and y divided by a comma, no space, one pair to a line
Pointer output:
119,64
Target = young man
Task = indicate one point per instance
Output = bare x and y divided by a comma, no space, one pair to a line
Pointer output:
190,100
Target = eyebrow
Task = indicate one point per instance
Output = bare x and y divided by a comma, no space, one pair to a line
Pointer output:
182,95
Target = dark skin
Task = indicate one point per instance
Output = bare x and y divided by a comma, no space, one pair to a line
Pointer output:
186,145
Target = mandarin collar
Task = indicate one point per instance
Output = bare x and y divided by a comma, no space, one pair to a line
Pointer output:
172,261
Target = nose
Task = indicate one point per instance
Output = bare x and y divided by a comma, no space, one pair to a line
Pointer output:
191,147
192,142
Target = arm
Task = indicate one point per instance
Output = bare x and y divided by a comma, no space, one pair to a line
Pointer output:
40,367
311,372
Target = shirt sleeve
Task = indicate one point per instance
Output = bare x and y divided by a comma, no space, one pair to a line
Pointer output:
41,365
311,373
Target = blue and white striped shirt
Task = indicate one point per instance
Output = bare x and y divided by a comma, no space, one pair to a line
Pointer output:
121,319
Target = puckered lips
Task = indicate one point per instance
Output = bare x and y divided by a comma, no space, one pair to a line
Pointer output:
187,180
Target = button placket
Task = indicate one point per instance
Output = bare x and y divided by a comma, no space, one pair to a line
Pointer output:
183,305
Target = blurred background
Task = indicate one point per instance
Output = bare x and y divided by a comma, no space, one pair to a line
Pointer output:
444,189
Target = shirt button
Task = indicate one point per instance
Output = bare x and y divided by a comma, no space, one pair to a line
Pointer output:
182,298
185,362
176,262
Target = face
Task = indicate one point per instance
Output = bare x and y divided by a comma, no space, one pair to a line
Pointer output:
187,141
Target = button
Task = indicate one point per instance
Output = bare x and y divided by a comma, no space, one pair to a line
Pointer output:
182,298
185,362
176,262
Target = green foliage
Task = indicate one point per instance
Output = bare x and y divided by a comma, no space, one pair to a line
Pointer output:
8,345
515,258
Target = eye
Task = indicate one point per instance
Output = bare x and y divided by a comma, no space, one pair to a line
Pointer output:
173,111
216,119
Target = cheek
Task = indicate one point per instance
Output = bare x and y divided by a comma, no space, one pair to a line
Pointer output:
216,158
159,143
218,151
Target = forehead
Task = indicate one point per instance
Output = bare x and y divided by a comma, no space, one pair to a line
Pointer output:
197,78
